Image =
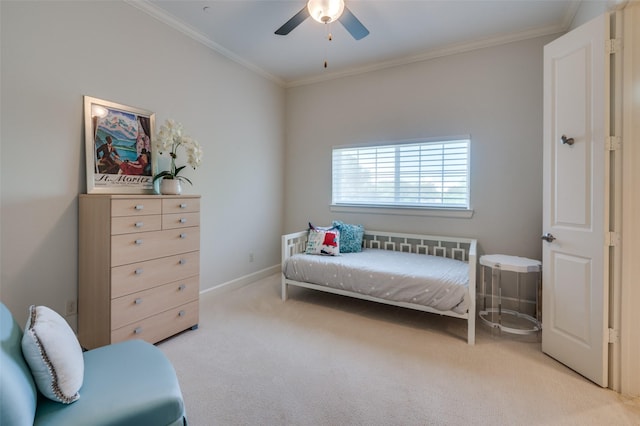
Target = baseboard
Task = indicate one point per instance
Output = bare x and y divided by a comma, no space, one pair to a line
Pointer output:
242,281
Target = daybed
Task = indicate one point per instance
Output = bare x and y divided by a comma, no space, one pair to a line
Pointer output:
428,273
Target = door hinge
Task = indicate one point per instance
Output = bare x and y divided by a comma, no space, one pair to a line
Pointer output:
613,143
613,335
613,45
612,239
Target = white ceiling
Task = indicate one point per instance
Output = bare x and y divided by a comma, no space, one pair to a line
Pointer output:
401,31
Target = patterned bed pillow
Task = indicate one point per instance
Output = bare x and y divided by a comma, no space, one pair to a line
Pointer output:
350,237
325,241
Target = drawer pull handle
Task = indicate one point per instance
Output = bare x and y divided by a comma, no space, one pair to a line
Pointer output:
183,205
137,330
183,220
139,207
181,287
139,242
182,313
139,224
138,301
139,271
183,236
183,261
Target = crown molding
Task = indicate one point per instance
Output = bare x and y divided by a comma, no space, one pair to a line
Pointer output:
570,15
176,24
453,49
437,53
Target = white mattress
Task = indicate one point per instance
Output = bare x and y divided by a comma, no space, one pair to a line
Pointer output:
433,281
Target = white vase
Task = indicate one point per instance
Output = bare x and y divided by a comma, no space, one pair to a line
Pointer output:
170,187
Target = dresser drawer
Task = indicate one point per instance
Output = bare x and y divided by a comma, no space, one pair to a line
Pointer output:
179,205
138,247
160,326
143,304
131,224
135,207
180,220
127,279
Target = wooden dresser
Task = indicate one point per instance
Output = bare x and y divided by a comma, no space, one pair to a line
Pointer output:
139,267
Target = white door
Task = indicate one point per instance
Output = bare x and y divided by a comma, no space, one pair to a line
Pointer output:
575,200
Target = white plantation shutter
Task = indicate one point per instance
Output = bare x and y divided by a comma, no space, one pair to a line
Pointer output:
432,174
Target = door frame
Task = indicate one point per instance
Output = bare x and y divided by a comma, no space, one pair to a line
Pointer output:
629,361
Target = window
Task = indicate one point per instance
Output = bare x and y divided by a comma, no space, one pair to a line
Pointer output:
423,174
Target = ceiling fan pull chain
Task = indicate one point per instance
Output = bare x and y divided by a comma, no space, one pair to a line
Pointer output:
326,50
329,38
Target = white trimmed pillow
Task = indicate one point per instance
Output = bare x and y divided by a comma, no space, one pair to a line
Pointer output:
54,355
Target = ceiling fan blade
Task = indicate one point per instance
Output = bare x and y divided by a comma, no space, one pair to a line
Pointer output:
293,22
353,25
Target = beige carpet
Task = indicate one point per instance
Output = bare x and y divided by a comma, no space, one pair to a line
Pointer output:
321,359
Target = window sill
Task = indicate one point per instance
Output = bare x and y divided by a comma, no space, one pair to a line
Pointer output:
404,211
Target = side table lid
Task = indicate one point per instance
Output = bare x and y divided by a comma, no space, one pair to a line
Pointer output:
510,263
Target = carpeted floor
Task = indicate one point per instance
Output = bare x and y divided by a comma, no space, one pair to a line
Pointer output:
321,359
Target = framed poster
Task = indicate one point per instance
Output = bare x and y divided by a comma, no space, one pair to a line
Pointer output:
118,141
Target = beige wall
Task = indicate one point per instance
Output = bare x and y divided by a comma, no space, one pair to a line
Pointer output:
55,52
493,94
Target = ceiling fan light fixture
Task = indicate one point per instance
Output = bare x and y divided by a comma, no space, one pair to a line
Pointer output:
325,11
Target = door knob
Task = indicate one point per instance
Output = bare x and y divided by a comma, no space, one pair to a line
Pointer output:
566,141
548,237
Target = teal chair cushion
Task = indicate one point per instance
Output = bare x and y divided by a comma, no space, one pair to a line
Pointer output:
18,394
128,383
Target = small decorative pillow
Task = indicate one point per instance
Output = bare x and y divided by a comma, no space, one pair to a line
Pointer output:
323,241
350,237
54,355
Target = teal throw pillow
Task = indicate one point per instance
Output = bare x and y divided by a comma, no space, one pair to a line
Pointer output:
350,236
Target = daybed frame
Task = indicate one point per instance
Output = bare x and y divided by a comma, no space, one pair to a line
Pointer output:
456,248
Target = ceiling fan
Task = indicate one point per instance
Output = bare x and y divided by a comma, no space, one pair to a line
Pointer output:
325,12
